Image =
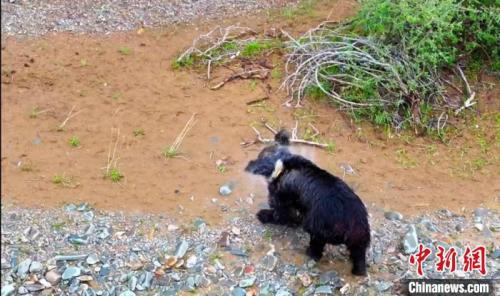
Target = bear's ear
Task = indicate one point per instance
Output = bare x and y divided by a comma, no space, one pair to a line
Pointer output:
282,138
278,169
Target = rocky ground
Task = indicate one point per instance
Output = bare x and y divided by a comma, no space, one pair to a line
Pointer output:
34,18
80,250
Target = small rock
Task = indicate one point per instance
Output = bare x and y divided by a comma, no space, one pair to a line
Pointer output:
132,283
170,261
479,226
347,168
248,282
480,214
172,227
304,278
181,249
239,292
495,254
37,141
226,189
495,227
235,230
22,290
36,267
45,283
8,290
393,216
410,241
191,261
127,293
34,287
92,259
383,286
269,262
23,268
326,290
53,277
224,239
71,272
78,240
283,292
238,252
85,278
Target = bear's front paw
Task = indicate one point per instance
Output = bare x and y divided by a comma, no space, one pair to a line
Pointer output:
265,216
314,254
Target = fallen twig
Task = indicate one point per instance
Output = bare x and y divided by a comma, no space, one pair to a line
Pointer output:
257,100
70,115
253,74
293,139
112,159
469,102
174,148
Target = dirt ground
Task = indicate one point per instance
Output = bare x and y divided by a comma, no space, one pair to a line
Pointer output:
136,89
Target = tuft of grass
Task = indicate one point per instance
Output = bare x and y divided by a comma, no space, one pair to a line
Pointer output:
58,226
187,62
63,180
404,159
74,141
125,50
170,152
115,175
34,112
267,235
139,132
221,168
253,84
116,95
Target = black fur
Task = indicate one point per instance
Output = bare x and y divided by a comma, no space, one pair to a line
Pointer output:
304,194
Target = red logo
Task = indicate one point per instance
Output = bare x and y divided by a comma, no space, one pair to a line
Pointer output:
447,259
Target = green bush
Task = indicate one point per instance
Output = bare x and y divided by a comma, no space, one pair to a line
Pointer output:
435,33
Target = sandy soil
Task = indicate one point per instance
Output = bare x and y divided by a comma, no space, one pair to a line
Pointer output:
140,90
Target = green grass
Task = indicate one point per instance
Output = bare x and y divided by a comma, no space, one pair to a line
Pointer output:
170,152
114,175
63,180
221,168
58,226
74,141
116,96
125,50
27,166
404,159
138,132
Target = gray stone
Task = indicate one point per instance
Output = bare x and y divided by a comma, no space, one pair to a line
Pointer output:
495,254
23,268
37,140
70,257
324,290
34,287
36,267
410,240
88,215
71,272
92,259
132,283
226,189
148,278
53,277
393,216
191,261
269,262
8,290
127,293
283,292
247,282
237,291
383,286
181,249
78,240
22,290
237,252
480,214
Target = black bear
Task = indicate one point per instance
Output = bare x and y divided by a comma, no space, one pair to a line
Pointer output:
300,193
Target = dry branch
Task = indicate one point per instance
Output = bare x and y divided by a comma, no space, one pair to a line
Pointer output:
70,115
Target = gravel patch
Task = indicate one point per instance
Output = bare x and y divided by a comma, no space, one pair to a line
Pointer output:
35,18
80,250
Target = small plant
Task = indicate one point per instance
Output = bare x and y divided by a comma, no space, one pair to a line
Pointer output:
267,235
170,152
83,62
63,180
221,167
26,166
125,51
74,141
139,132
116,95
36,111
331,147
253,85
115,175
185,62
58,226
173,150
404,159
